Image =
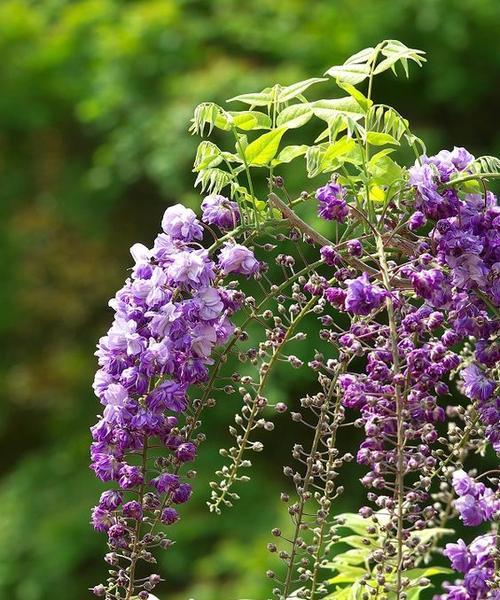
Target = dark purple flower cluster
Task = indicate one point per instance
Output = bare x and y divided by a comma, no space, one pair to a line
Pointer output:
169,316
422,364
429,174
359,297
460,272
331,202
476,562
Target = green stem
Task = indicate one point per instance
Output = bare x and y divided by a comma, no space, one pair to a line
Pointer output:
307,482
249,178
400,435
137,533
469,178
255,407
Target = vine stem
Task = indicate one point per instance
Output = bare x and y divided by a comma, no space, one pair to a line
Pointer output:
133,555
294,219
453,182
400,440
307,481
330,444
255,407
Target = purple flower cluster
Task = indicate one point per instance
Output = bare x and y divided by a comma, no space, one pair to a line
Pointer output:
359,297
476,562
220,211
169,316
429,174
331,202
459,271
476,502
423,364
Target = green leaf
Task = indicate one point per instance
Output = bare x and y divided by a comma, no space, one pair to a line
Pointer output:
385,172
414,592
207,155
313,160
348,575
379,155
213,180
350,73
331,109
355,522
356,541
337,149
262,150
380,139
206,116
353,556
427,572
263,98
289,153
360,98
294,116
251,119
396,51
363,56
428,534
341,593
294,90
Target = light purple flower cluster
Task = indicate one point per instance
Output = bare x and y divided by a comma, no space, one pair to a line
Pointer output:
476,502
220,211
331,202
476,562
169,316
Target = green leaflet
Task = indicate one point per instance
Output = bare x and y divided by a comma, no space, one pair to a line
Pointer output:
380,139
355,522
289,153
213,180
396,51
262,150
350,73
294,90
385,171
207,155
206,116
348,575
428,572
294,116
330,109
360,98
250,119
263,98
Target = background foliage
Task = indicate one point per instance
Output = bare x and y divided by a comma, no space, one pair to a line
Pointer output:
95,103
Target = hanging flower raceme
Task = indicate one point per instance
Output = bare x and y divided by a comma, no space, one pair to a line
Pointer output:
170,315
400,297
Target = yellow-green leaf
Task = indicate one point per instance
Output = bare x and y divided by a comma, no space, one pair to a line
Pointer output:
289,153
360,98
348,575
380,139
294,116
256,98
330,109
353,73
294,90
251,119
262,150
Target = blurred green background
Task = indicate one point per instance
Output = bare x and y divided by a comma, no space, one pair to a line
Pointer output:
95,100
